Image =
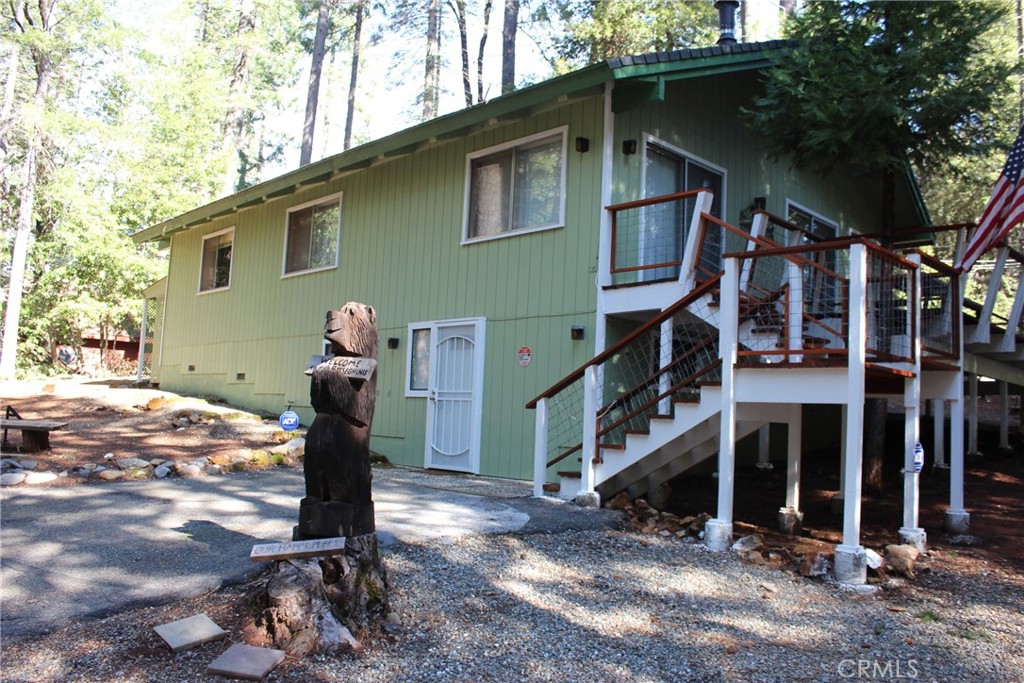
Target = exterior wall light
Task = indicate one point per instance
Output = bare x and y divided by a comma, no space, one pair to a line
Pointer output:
629,146
582,145
577,332
392,342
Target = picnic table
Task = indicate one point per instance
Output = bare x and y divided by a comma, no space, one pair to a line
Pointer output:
35,434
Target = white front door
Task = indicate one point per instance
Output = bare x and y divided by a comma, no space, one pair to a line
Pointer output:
455,386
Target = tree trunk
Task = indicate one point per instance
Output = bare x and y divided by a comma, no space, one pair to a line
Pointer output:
459,10
8,104
26,209
354,76
480,53
313,94
508,46
234,119
432,77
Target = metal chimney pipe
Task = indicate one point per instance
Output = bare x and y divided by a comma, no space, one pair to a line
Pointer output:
727,21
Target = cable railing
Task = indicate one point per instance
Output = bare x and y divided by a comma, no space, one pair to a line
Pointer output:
940,306
648,237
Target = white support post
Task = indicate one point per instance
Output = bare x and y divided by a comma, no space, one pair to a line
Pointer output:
795,314
540,449
939,434
981,334
718,531
958,520
850,558
757,229
687,272
790,517
142,341
1008,344
836,505
665,377
972,414
590,402
911,532
1004,416
764,448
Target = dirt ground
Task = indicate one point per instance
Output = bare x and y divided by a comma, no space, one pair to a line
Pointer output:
113,416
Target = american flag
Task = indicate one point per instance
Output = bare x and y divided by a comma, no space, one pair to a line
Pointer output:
1004,210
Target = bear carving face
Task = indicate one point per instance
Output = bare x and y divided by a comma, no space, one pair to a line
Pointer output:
352,331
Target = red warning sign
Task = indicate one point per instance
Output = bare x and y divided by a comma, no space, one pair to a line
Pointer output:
524,355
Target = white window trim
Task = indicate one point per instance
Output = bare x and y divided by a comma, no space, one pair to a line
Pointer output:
679,151
416,393
327,199
231,267
518,142
790,204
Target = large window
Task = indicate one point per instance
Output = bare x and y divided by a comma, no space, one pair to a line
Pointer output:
215,269
821,288
311,240
516,187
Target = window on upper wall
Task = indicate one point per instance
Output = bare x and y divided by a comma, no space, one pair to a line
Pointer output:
811,222
215,268
821,289
312,236
516,187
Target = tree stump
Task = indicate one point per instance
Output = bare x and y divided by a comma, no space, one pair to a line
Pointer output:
325,605
328,604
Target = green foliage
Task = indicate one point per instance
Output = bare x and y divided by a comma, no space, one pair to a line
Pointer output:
595,31
884,84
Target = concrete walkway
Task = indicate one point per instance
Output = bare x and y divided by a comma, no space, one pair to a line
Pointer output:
79,552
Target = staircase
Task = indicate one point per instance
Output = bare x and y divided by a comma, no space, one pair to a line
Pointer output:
650,406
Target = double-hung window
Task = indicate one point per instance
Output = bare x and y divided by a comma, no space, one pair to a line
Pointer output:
215,268
516,187
312,236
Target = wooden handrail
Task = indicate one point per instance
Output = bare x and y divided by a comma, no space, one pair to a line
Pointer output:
615,348
660,199
788,225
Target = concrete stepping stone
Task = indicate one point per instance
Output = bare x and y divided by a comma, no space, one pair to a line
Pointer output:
246,662
185,634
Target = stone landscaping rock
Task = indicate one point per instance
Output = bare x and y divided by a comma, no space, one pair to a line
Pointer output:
129,464
33,478
12,478
901,558
260,459
620,502
28,464
296,448
156,462
111,475
108,456
190,470
89,466
748,543
213,470
815,564
218,459
161,472
156,403
873,559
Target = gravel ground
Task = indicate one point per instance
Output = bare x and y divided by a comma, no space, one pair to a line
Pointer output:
602,606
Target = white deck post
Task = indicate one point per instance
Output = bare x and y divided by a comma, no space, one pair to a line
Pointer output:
665,378
836,505
540,449
1004,415
939,434
718,531
850,558
972,415
790,517
911,533
590,403
795,314
958,520
142,340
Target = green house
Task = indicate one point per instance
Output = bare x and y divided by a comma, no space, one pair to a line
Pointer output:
613,248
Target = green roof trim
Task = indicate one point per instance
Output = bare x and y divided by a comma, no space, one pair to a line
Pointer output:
650,70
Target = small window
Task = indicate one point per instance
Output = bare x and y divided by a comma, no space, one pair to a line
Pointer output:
516,187
419,361
215,269
312,236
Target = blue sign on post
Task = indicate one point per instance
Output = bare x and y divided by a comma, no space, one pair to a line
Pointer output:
918,458
289,420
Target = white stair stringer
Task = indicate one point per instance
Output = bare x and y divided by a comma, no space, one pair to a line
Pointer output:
662,433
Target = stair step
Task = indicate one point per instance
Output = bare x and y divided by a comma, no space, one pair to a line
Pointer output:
640,432
614,446
660,416
552,488
686,399
571,475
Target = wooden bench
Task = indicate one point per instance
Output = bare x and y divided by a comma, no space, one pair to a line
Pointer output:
35,434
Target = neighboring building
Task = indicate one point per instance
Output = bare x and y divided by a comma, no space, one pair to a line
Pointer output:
483,241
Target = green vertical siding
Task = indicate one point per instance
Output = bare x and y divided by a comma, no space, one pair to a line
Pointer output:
400,252
702,117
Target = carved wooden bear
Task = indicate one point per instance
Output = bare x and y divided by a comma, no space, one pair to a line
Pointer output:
338,499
